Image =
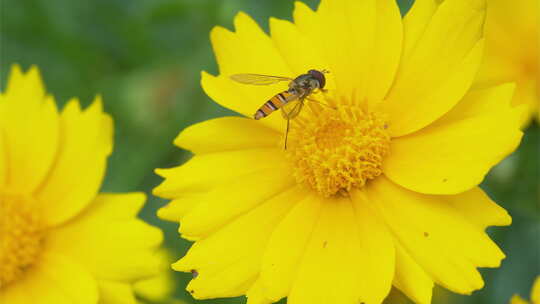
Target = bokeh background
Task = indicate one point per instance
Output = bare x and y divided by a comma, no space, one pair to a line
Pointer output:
145,56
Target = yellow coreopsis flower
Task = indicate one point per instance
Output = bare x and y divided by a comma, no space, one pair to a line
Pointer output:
379,189
535,295
512,50
61,241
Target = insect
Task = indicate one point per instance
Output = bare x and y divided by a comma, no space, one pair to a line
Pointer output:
290,101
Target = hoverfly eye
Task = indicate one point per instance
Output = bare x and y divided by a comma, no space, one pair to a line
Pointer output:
319,76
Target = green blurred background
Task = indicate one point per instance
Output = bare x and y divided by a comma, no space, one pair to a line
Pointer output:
145,58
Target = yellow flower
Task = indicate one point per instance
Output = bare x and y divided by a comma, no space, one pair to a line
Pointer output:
62,242
159,288
535,294
512,50
382,190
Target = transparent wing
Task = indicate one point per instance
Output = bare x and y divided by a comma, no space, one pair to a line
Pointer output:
258,79
292,109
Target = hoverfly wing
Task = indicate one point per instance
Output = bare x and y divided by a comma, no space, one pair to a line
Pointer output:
292,109
258,79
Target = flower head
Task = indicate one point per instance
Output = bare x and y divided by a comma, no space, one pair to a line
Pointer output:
512,50
377,187
62,242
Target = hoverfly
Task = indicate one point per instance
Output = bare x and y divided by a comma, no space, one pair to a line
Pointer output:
290,101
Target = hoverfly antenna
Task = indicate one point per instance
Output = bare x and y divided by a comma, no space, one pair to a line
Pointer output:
325,71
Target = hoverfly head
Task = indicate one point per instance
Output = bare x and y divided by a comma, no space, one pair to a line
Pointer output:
319,76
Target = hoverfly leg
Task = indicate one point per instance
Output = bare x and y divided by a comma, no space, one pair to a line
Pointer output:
321,103
287,133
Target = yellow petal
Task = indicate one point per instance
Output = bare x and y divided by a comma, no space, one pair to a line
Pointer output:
349,258
456,152
521,23
248,50
302,54
3,160
257,295
478,208
387,50
193,175
55,279
117,245
226,134
228,259
28,120
111,292
242,98
371,33
512,48
232,199
415,23
535,291
528,94
158,288
441,240
86,141
176,209
516,299
499,63
411,279
161,287
286,248
484,101
439,68
27,87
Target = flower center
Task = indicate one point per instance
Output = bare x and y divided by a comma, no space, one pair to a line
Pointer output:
21,234
336,150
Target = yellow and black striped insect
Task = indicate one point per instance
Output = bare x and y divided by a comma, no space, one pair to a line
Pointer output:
290,101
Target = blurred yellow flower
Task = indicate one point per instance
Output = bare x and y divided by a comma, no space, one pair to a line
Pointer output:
512,50
159,288
535,294
62,242
380,191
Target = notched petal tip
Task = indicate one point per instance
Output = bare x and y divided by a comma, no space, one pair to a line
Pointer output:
97,104
33,74
181,265
206,80
186,136
161,189
205,76
243,21
157,191
188,237
16,69
163,172
217,32
302,7
162,213
73,105
30,83
505,219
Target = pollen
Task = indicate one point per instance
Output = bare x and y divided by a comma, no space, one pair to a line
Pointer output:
336,150
22,237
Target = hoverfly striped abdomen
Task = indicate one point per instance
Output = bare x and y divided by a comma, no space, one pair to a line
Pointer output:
276,102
